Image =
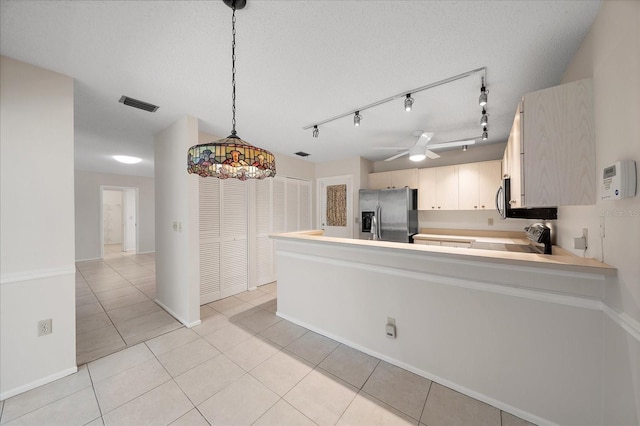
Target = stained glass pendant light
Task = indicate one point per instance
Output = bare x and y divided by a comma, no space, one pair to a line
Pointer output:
231,157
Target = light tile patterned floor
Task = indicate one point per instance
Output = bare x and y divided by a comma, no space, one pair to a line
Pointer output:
242,366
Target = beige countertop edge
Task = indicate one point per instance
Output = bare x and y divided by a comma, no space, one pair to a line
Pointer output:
560,262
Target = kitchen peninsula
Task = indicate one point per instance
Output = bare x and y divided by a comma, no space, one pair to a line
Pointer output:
520,331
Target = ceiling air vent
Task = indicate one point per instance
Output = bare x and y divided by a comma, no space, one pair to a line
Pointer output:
302,154
138,104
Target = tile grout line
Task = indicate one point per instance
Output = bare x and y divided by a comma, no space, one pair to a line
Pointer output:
94,393
424,406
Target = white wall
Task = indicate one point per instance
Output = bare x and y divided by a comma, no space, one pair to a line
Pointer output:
176,201
36,226
87,208
610,55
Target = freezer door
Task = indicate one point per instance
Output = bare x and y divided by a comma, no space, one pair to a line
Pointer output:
368,204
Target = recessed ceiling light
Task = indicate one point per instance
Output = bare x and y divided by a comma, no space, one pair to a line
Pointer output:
126,159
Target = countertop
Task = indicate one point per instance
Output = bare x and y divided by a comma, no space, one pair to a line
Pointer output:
562,260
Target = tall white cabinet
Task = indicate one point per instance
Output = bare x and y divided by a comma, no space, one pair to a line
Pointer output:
236,219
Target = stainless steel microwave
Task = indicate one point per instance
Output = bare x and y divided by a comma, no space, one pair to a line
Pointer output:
503,205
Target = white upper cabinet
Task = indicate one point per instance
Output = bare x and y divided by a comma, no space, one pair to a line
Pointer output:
438,188
394,179
477,185
558,147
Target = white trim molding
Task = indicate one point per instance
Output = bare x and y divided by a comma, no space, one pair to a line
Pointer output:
176,316
37,383
37,274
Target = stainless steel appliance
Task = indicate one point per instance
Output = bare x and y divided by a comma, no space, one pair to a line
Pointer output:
503,205
538,233
389,214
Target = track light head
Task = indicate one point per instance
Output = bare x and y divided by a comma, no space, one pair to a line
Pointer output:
408,102
482,100
485,134
316,132
485,118
356,118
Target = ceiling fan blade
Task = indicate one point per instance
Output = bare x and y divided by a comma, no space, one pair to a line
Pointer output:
430,154
396,156
452,144
395,148
424,138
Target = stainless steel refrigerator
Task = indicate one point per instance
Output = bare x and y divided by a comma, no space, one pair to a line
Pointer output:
389,214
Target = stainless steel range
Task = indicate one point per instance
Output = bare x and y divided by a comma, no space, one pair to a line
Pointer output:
537,233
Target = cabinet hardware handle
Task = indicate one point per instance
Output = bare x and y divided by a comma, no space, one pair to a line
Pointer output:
438,206
475,207
482,207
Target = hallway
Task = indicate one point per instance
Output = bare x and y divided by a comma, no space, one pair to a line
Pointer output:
114,304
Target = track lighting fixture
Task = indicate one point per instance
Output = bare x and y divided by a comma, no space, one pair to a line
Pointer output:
464,148
483,94
407,95
485,134
316,132
485,118
408,102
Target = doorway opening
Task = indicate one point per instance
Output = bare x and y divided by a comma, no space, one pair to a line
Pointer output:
118,220
335,202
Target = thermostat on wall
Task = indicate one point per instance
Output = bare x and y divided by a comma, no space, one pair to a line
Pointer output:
618,181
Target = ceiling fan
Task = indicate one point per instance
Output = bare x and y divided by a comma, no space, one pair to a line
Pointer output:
420,150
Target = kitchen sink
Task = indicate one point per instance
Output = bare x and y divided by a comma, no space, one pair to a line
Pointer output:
518,248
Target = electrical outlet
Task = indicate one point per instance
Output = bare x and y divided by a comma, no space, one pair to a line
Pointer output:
391,327
44,327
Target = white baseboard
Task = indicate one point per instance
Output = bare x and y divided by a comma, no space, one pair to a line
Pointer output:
37,383
89,259
427,375
176,316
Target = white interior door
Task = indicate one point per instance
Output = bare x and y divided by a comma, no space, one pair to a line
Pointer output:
112,216
129,220
336,206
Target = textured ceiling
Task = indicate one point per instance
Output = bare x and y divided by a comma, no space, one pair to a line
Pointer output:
298,62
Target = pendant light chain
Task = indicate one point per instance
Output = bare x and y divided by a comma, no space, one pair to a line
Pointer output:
233,69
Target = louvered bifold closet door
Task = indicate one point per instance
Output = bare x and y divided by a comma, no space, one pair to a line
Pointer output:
292,202
304,213
278,205
264,245
209,227
233,247
278,214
